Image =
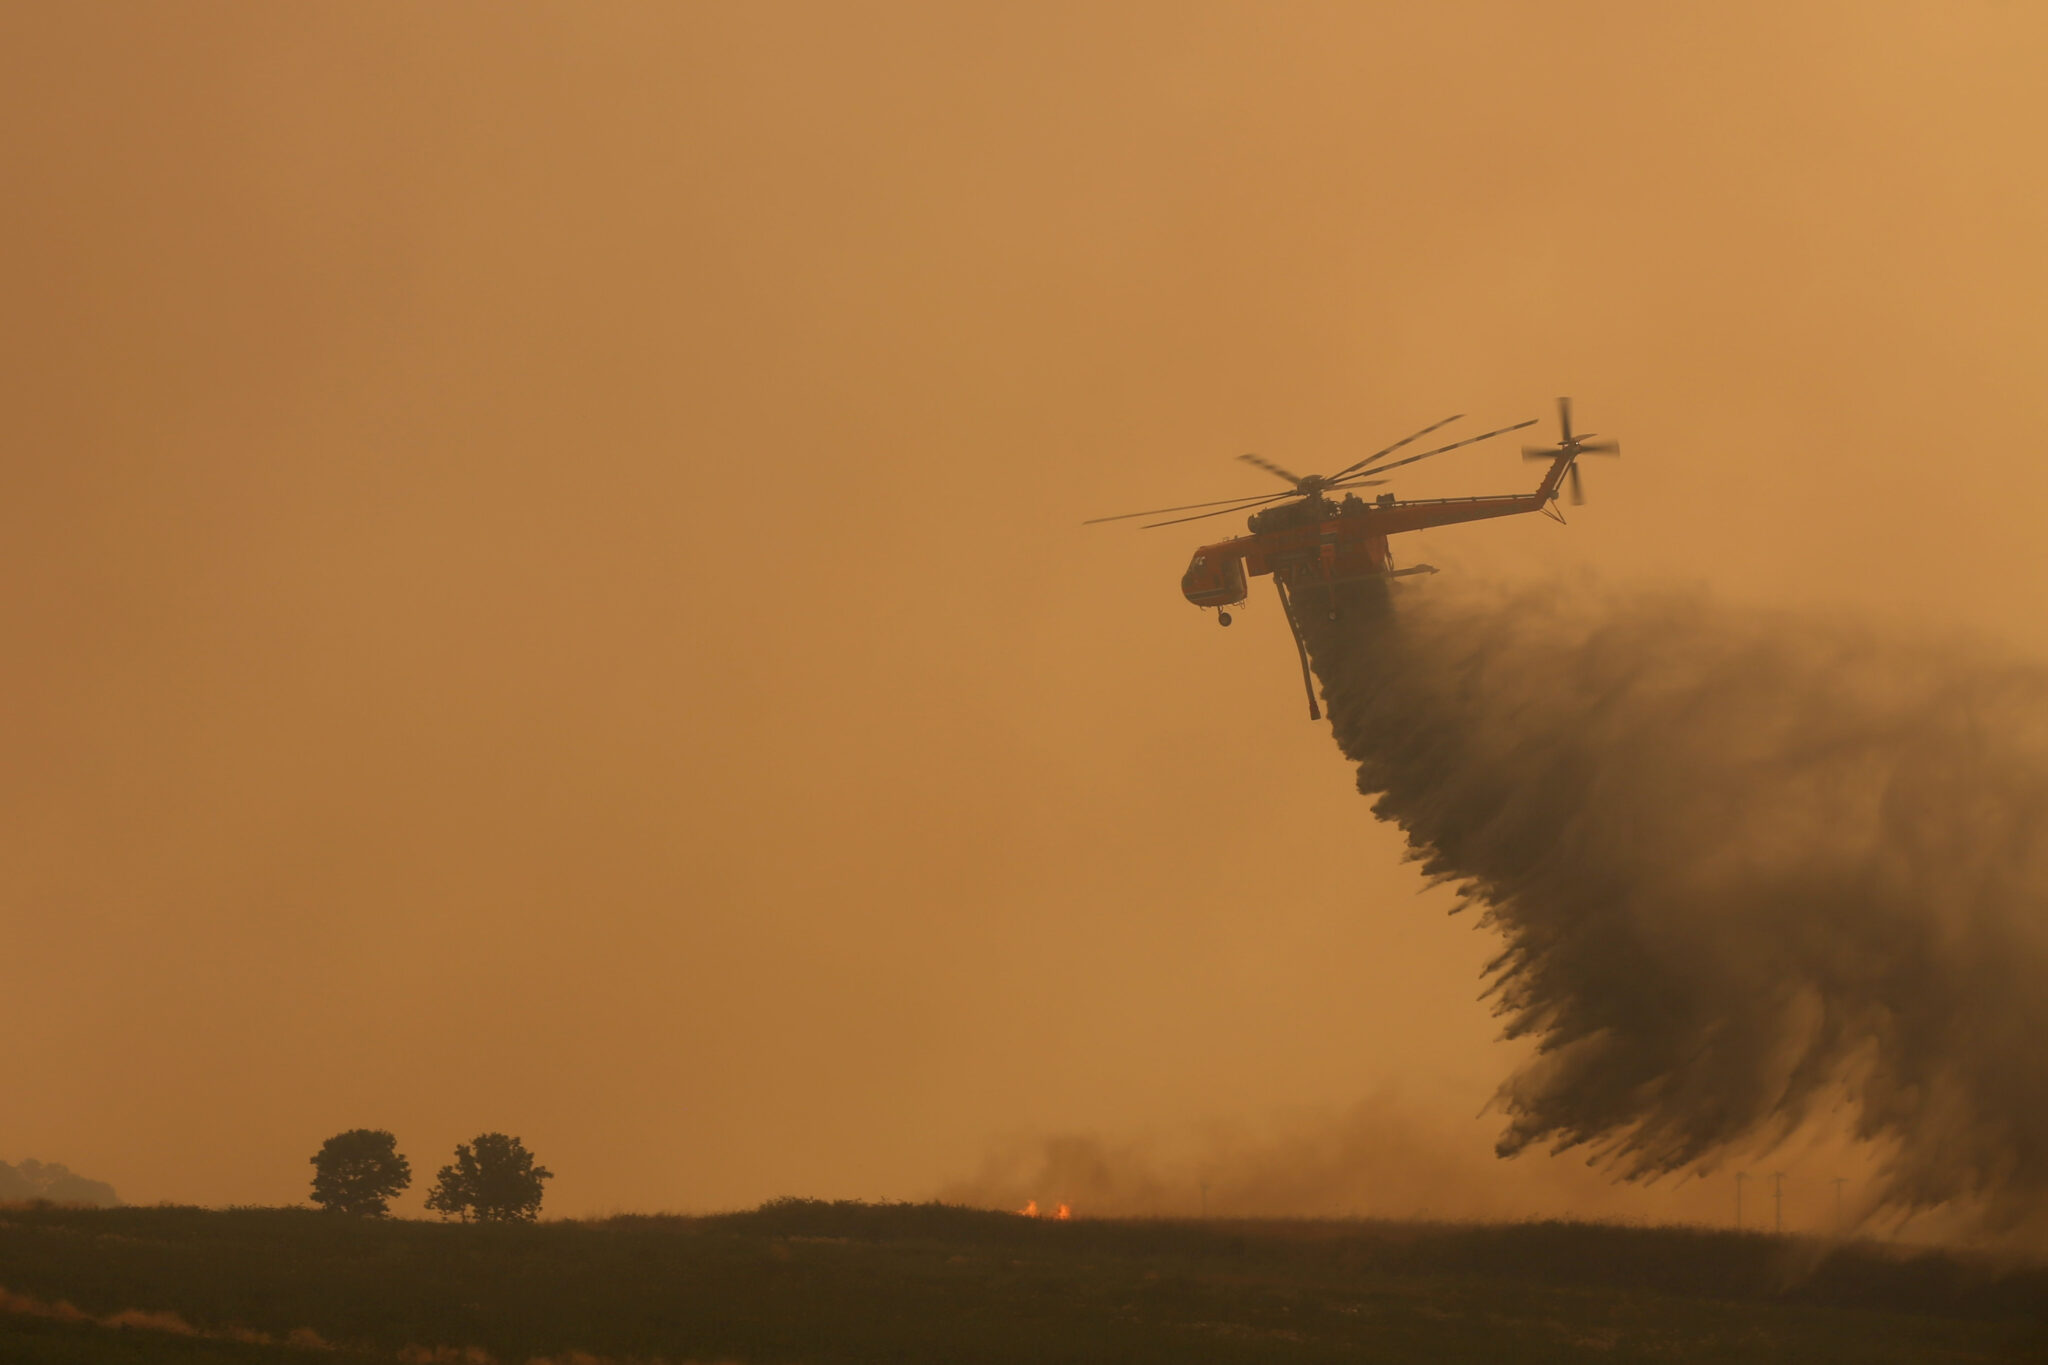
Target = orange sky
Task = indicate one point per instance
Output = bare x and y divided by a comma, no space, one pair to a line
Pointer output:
543,583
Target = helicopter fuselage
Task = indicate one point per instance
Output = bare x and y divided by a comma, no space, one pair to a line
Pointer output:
1319,541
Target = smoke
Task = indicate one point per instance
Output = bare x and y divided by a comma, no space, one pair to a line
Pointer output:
1750,873
1382,1158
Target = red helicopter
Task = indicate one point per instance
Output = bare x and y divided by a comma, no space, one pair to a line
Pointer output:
1310,542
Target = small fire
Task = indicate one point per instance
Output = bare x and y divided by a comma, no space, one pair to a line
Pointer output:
1030,1209
1064,1214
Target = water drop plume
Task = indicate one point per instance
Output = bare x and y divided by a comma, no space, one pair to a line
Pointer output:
1747,869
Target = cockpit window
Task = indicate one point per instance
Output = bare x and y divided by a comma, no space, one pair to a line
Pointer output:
1199,559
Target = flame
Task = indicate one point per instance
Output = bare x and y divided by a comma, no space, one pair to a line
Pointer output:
1064,1214
1030,1209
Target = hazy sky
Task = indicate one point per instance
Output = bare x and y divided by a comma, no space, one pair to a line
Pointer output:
543,583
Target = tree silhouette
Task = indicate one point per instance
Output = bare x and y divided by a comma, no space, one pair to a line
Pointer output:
492,1180
357,1171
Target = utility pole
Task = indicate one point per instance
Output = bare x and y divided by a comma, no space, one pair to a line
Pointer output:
1777,1201
1740,1176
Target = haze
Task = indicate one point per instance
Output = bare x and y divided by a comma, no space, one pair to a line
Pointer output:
543,583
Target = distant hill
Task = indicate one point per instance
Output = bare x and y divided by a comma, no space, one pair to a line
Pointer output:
48,1180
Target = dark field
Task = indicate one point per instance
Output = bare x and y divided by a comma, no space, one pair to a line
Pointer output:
811,1282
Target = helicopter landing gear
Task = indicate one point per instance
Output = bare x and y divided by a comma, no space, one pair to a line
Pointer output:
1222,618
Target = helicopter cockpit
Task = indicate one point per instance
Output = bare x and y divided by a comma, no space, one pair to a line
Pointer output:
1213,580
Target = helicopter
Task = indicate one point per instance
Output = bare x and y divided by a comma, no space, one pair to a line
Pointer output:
1310,542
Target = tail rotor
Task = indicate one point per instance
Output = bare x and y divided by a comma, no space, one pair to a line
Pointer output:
1569,448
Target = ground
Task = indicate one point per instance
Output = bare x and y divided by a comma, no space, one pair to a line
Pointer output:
814,1282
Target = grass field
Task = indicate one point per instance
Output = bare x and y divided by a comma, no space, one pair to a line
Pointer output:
812,1282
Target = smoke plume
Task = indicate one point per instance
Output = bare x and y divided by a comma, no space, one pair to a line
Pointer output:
1746,870
1383,1158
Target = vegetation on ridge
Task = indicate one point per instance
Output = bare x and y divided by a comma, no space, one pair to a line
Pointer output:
817,1282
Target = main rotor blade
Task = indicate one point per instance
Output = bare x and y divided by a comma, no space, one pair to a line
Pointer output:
1395,446
1199,516
1469,440
1600,447
1162,511
1356,483
1272,468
